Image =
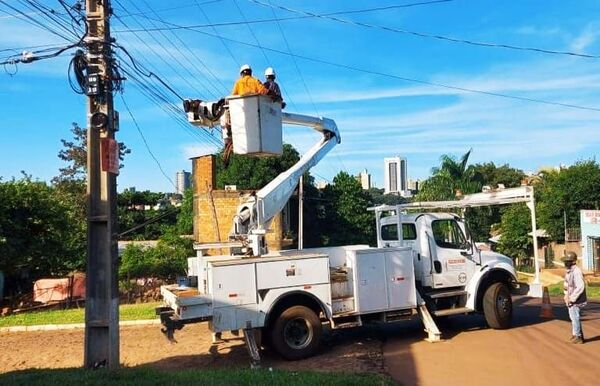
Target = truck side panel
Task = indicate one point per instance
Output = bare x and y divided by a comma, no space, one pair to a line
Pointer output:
287,273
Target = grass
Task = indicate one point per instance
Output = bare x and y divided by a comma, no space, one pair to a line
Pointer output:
592,290
76,315
150,376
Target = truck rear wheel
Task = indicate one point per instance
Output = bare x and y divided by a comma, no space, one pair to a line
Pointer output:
296,333
497,306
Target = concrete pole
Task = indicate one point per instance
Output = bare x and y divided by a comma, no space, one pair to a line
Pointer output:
301,213
531,206
101,344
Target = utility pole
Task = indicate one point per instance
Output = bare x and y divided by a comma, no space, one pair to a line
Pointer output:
102,296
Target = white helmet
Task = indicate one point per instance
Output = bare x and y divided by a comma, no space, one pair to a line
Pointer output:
245,67
269,71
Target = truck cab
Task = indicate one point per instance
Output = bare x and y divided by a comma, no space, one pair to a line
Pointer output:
451,274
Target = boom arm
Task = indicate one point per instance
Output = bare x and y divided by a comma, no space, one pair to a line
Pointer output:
254,216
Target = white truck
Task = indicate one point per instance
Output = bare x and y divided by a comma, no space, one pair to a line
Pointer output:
424,264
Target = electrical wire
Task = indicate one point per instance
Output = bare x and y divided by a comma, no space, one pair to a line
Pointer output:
167,63
287,44
137,126
235,23
428,35
28,19
193,55
404,78
145,72
235,60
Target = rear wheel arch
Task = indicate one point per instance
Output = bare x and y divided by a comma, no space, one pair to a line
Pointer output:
294,298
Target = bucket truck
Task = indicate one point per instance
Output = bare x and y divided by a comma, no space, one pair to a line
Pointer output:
283,299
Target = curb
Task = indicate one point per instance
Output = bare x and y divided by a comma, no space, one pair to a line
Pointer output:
74,326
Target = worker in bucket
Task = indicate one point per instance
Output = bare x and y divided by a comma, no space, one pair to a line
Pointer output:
575,297
246,84
272,86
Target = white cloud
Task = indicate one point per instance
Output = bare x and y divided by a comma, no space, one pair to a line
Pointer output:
586,38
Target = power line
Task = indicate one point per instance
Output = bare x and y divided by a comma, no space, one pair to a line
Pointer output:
404,78
193,54
268,62
168,64
146,142
199,5
428,35
235,23
28,19
156,96
287,44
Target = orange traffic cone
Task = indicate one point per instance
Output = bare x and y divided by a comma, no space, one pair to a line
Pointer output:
546,305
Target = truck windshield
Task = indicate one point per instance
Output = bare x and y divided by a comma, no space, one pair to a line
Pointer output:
390,232
447,234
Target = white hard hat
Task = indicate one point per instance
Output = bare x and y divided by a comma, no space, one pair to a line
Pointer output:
269,71
245,67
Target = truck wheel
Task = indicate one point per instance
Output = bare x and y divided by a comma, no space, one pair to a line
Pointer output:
497,306
296,333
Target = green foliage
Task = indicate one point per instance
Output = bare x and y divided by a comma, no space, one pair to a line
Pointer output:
567,191
481,220
515,226
493,175
253,173
450,177
37,231
185,218
145,375
165,261
346,218
132,212
378,198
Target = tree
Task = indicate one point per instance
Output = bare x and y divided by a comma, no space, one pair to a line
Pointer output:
185,218
36,232
515,227
253,173
567,191
379,198
451,177
346,218
74,153
481,220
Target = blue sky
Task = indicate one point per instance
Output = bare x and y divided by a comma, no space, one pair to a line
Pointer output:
377,116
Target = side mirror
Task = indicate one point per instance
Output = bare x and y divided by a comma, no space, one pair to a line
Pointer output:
437,266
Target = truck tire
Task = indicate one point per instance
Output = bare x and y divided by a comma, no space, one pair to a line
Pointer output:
296,333
497,306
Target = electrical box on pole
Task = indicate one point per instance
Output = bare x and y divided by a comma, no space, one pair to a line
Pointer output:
102,295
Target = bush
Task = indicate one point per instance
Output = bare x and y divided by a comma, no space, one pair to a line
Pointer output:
165,261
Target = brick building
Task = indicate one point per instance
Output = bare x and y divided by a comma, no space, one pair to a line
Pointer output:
214,209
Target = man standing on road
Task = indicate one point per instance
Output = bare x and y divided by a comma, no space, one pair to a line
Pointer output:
575,297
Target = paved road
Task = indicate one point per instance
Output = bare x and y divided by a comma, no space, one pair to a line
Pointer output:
534,352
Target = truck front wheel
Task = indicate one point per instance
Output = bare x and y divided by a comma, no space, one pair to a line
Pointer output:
497,306
296,333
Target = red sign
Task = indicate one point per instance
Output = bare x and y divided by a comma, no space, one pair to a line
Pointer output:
110,155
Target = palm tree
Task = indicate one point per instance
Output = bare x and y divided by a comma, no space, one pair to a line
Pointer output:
452,178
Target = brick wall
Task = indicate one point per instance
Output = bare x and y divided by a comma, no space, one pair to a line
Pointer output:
214,209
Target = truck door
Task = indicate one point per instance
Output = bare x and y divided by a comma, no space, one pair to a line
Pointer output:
453,262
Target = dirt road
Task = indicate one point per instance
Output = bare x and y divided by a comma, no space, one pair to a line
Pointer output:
534,352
